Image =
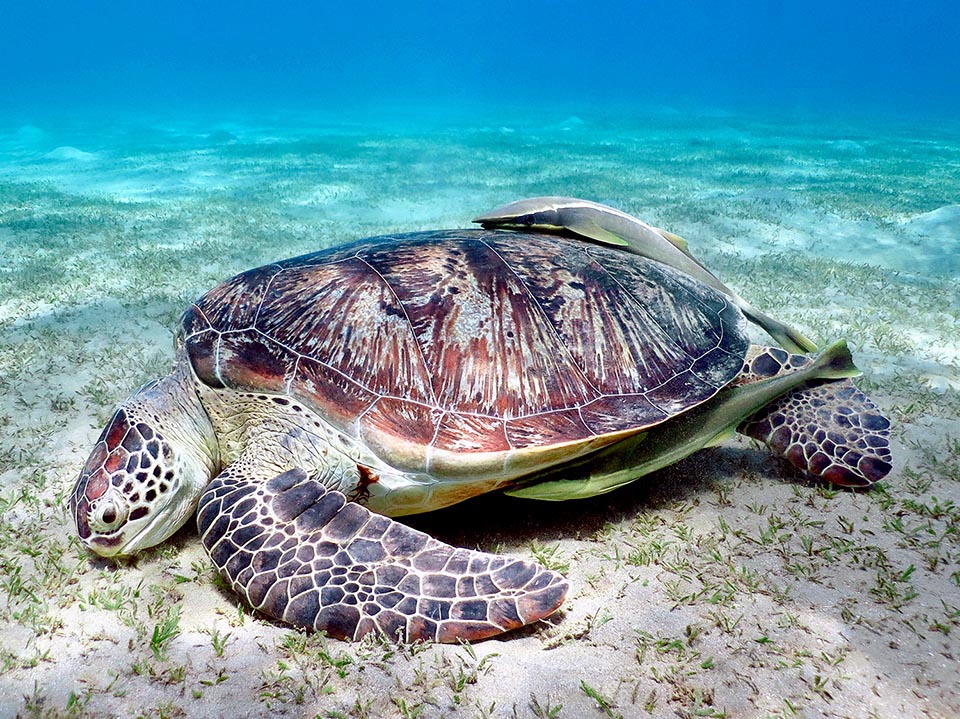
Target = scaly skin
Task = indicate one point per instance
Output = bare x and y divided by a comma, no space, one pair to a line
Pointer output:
302,554
830,429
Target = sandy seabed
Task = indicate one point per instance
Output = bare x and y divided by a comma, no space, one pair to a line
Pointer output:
725,586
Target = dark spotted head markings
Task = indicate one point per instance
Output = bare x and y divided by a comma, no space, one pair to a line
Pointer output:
130,471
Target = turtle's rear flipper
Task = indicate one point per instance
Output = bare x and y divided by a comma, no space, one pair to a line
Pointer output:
302,554
829,429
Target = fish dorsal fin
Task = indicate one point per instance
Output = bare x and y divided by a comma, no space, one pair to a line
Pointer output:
677,240
588,227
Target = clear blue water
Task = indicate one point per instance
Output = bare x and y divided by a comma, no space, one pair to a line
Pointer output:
851,58
812,128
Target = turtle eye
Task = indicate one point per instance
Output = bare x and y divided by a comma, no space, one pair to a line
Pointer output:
108,515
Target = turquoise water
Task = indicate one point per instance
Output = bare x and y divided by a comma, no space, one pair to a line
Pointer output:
855,57
843,117
881,193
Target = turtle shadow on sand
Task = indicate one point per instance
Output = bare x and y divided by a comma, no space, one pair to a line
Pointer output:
486,521
489,520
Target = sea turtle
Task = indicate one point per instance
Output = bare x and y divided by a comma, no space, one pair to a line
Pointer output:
314,398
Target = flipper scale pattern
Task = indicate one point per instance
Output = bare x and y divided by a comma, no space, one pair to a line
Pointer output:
302,554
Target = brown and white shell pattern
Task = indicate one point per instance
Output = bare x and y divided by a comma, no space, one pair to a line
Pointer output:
465,351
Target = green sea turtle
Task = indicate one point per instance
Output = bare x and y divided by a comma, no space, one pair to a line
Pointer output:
314,398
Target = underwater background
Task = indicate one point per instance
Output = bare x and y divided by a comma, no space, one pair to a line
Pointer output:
829,59
810,154
447,107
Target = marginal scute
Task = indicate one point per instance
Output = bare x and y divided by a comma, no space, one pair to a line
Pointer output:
608,414
250,361
471,433
671,396
546,429
400,431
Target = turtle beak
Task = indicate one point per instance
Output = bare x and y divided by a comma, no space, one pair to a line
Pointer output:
107,546
122,543
163,520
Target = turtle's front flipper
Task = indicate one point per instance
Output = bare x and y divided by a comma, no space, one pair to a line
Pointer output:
304,555
829,429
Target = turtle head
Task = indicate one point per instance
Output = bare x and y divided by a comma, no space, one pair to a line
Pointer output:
146,473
